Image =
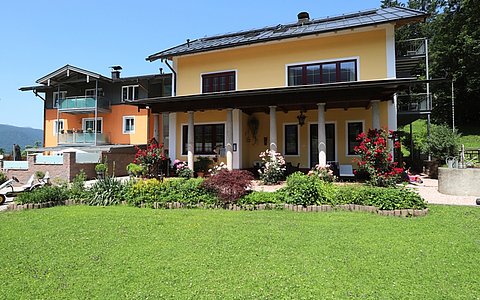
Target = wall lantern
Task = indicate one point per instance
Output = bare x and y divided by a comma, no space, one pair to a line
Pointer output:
301,118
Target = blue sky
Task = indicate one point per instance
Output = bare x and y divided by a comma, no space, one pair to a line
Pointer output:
37,37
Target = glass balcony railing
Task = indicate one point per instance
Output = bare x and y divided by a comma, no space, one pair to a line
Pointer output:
82,103
82,138
414,102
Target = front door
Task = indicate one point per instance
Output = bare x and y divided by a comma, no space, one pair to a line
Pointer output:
331,146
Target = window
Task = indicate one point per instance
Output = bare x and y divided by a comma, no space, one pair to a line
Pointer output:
91,92
291,139
57,96
58,126
353,130
130,93
89,125
318,73
218,82
128,125
206,138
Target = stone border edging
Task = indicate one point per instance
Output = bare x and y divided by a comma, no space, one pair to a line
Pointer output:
250,207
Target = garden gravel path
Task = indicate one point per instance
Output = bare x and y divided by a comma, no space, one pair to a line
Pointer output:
429,191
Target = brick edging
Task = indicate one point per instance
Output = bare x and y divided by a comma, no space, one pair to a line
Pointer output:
267,206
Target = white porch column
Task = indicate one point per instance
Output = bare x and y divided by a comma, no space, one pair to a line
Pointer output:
191,140
237,138
172,136
322,137
273,128
375,114
392,118
229,138
156,134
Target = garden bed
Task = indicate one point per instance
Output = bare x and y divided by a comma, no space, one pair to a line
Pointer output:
247,207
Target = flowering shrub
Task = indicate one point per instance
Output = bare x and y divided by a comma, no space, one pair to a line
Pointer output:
273,167
150,158
182,169
229,186
217,168
376,159
324,173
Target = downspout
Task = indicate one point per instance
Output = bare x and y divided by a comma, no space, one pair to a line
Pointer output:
174,76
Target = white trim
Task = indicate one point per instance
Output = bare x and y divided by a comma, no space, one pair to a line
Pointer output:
55,126
309,140
202,123
124,119
298,140
390,52
135,97
84,126
219,72
172,136
346,135
53,99
323,61
237,138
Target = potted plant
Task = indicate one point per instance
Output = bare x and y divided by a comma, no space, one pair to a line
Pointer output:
134,169
101,168
202,165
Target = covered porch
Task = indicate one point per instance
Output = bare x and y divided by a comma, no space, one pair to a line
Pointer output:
309,125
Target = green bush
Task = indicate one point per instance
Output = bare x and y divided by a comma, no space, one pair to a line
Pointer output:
188,191
444,142
107,191
308,190
43,194
349,194
392,198
77,190
263,198
3,177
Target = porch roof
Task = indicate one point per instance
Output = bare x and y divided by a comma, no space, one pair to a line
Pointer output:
335,95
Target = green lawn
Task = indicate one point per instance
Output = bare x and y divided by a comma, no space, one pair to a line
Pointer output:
129,253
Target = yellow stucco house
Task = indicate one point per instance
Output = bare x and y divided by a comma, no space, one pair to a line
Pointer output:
304,89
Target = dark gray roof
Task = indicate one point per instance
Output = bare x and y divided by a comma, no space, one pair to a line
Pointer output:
345,21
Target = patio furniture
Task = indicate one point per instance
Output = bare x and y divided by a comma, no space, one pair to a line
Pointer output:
346,172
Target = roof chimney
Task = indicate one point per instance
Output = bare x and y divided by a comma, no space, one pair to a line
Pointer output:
116,72
303,17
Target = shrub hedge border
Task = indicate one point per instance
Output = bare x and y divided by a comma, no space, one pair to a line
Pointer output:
250,207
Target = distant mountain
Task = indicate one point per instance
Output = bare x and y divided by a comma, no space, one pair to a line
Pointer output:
22,136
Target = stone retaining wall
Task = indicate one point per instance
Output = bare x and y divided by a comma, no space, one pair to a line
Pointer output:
291,207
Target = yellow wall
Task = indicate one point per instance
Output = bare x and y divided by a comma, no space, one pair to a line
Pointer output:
339,117
112,124
264,65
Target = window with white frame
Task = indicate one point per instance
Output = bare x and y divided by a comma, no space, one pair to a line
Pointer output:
353,130
130,92
89,125
57,96
128,125
58,126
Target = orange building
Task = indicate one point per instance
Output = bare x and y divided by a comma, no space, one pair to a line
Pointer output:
83,108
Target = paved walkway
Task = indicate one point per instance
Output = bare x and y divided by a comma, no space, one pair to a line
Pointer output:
429,191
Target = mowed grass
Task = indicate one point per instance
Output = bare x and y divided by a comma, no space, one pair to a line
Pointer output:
129,253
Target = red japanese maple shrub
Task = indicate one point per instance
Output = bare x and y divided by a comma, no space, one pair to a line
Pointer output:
229,186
